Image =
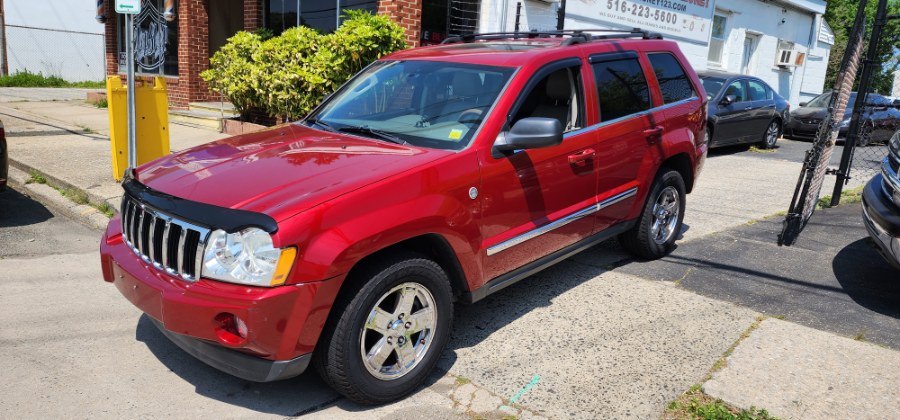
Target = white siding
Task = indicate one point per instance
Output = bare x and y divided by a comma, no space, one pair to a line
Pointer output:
763,19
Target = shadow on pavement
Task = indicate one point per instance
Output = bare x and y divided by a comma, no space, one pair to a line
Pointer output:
305,394
867,284
17,209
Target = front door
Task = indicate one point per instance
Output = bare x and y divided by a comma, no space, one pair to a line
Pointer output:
538,201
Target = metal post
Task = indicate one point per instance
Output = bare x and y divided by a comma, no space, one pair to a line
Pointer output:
129,65
561,15
4,66
865,81
518,13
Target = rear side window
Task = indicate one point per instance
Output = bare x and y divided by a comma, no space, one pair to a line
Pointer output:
756,90
621,87
673,82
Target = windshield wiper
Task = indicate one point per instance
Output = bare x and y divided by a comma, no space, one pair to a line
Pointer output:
322,124
366,130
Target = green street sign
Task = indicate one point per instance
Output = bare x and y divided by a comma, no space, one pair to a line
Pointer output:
128,7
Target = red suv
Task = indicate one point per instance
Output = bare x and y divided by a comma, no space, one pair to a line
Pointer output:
436,175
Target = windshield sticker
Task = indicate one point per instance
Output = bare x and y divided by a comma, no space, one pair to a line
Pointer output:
455,134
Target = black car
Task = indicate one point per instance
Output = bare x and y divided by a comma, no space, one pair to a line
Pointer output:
743,109
4,158
880,118
881,205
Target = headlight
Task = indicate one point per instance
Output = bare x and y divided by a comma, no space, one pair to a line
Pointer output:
246,257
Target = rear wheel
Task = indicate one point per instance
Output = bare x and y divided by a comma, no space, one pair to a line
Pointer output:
770,137
386,340
661,219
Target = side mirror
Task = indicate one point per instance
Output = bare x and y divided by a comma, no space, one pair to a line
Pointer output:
803,103
728,99
531,133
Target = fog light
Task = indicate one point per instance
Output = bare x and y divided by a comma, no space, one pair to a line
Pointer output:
230,328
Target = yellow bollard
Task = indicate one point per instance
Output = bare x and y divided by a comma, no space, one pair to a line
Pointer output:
152,118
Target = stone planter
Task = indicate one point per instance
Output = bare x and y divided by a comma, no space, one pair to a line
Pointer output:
235,126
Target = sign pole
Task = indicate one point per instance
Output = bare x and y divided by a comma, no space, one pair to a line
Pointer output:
129,60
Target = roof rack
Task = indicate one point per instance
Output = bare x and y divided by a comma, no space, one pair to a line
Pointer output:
575,36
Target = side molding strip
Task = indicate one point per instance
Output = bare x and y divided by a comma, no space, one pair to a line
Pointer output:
502,246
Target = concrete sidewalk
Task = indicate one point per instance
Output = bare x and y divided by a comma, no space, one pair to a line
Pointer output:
580,340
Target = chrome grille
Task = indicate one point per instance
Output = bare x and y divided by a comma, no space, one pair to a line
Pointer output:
169,244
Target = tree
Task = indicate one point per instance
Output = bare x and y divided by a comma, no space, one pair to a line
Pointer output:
840,16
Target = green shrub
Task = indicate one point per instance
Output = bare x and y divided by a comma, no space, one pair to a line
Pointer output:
29,79
288,75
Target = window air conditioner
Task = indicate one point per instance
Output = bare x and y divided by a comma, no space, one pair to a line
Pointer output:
785,57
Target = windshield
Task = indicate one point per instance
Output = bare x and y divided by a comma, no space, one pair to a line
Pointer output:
822,100
423,103
712,85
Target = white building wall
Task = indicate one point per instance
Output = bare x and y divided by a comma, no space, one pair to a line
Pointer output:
755,17
56,38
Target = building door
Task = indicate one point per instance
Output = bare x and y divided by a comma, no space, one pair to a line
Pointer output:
226,18
747,61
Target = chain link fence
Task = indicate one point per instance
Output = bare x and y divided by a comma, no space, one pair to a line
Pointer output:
72,55
870,151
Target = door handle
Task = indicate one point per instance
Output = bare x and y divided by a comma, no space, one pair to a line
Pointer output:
653,134
748,108
581,158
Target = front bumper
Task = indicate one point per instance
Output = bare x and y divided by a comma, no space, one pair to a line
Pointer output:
798,129
283,322
882,220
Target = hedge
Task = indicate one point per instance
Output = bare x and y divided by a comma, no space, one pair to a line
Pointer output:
286,76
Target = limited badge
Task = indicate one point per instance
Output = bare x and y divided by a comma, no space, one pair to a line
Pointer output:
455,134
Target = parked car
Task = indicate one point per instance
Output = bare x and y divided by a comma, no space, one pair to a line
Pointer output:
881,205
880,118
743,109
437,174
4,158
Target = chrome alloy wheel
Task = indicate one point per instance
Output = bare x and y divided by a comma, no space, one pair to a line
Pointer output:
399,331
772,134
665,215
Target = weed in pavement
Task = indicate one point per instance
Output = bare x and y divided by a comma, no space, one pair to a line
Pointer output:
695,404
851,196
35,177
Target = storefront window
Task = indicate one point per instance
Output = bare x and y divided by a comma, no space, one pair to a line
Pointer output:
155,41
321,15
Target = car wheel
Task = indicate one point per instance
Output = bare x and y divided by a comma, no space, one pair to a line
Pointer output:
770,137
661,218
384,341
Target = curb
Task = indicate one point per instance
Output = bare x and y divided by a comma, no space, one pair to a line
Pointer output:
60,183
47,195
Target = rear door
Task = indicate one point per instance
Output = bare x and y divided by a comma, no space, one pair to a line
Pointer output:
762,110
627,128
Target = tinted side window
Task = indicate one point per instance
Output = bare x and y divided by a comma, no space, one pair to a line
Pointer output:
673,82
757,90
621,87
736,88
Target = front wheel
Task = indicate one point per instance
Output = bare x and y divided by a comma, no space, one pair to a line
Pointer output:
386,340
660,222
770,137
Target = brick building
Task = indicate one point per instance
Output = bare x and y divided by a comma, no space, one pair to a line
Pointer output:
179,49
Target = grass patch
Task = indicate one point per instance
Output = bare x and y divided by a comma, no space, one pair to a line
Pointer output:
102,103
29,79
87,130
755,149
694,404
860,336
73,195
851,196
104,208
35,177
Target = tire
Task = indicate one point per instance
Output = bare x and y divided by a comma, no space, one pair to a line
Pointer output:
375,318
865,134
770,136
667,195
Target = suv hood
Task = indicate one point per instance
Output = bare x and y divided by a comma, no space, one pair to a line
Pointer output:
280,171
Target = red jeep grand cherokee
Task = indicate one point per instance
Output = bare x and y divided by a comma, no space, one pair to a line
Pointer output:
436,175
